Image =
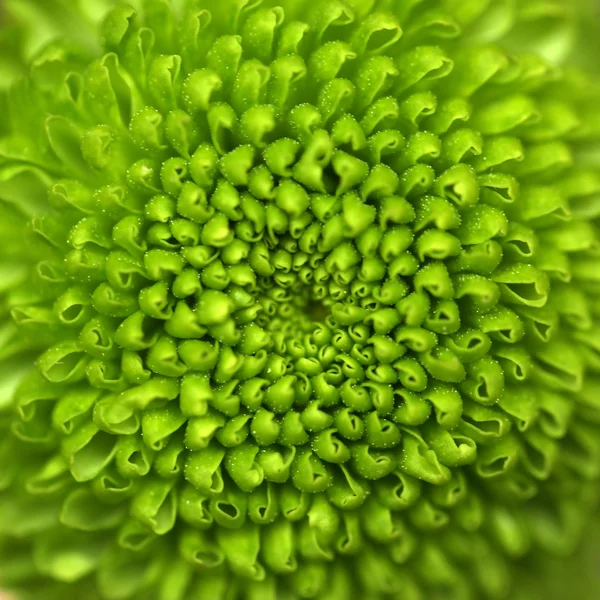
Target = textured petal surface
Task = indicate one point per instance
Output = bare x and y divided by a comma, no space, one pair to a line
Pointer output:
298,299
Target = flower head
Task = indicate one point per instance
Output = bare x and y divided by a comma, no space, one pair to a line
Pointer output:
311,291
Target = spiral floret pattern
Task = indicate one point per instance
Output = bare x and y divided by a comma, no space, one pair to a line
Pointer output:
312,290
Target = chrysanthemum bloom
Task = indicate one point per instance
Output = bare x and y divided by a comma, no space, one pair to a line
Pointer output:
299,300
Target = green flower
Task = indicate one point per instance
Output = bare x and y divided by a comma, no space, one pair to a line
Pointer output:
299,299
